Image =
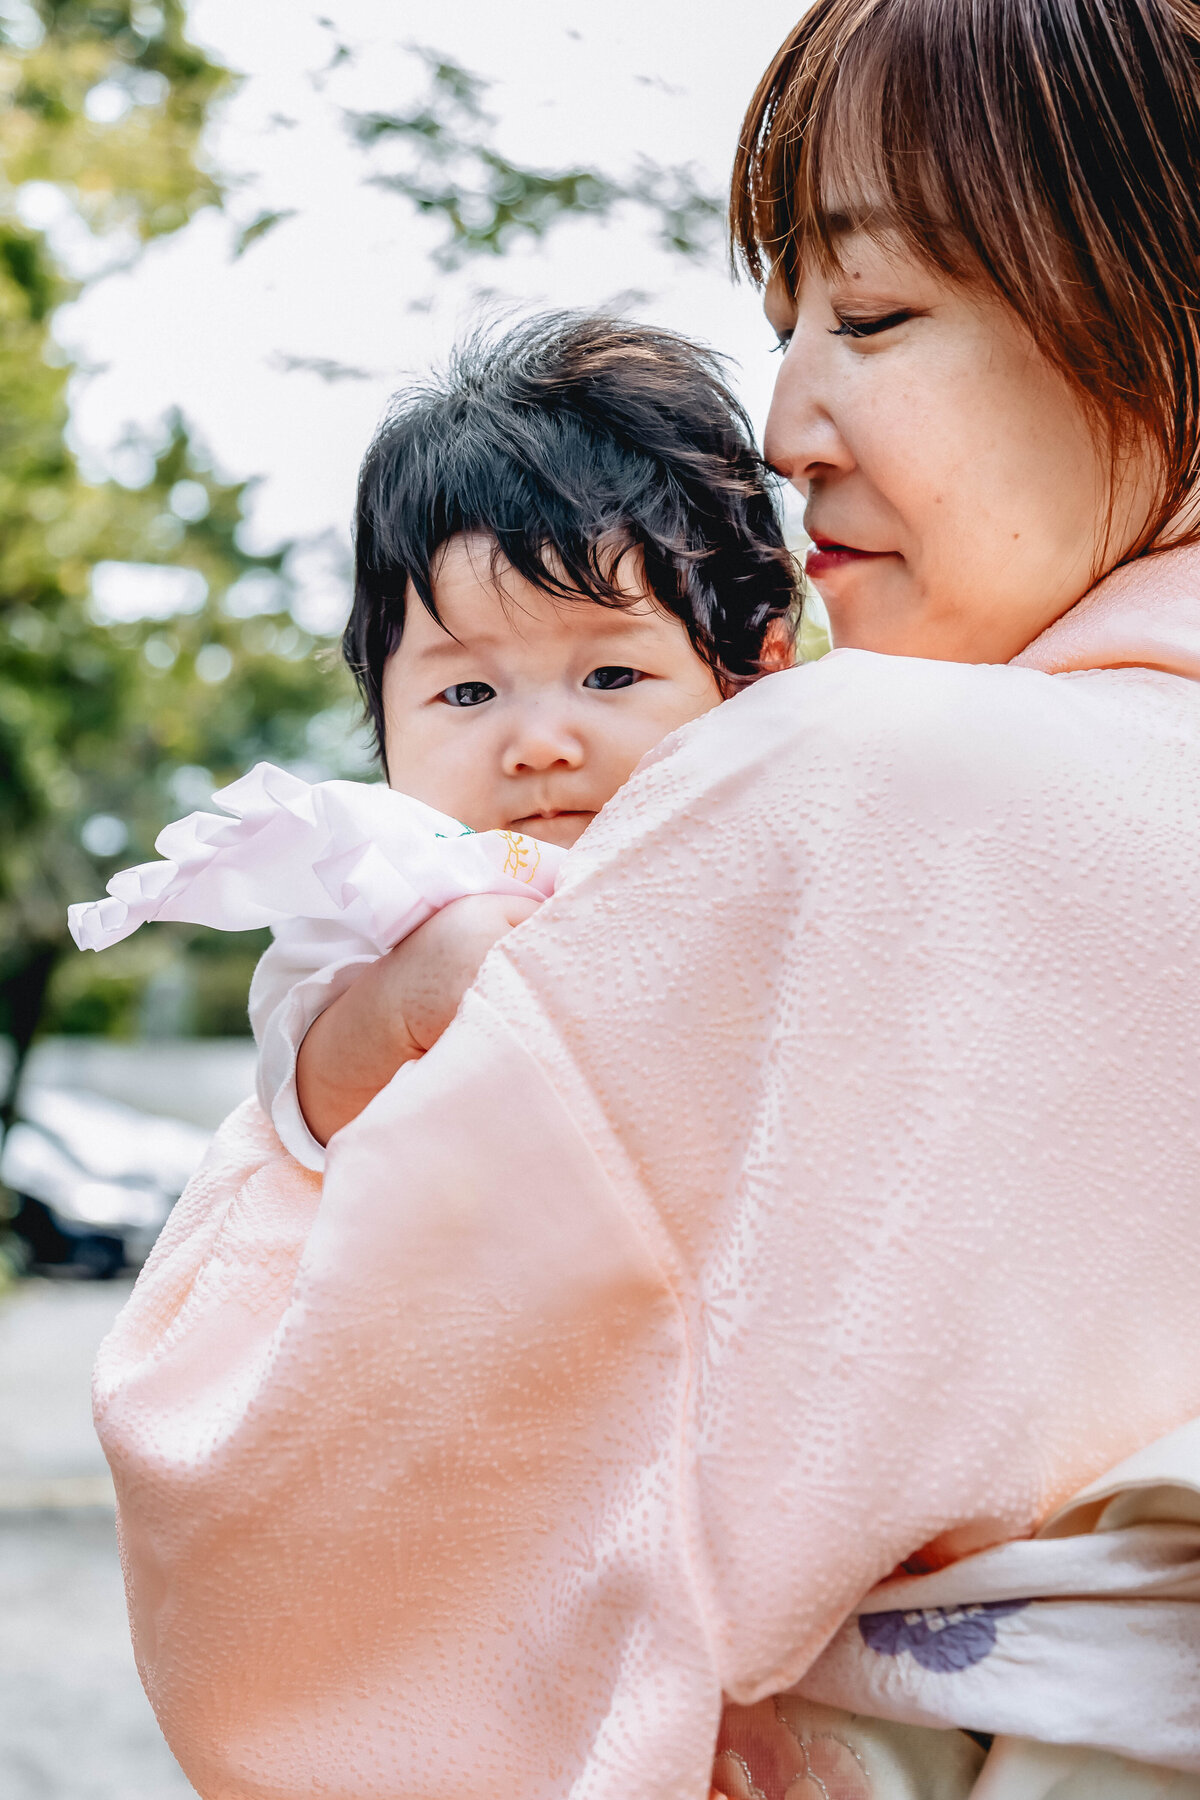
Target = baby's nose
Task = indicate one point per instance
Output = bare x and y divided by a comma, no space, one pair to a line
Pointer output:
543,741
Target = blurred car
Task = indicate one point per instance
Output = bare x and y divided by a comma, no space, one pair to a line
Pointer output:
94,1180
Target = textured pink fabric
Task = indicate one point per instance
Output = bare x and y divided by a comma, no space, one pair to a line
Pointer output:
813,1180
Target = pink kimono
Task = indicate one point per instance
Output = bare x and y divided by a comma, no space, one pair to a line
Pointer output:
812,1187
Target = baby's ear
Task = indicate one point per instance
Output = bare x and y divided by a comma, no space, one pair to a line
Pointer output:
779,647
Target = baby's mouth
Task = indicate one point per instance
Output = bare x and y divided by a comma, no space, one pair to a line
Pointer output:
554,826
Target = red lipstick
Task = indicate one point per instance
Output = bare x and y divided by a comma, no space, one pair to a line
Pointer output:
827,555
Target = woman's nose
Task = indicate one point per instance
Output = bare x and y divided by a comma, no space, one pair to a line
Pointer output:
544,738
802,441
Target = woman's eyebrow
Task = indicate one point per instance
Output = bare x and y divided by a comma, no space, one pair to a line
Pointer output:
845,219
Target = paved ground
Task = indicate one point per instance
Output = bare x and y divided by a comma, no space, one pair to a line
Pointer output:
74,1723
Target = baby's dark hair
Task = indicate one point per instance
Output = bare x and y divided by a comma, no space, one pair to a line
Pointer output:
570,441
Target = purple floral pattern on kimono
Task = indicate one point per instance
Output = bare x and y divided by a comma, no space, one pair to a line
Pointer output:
942,1639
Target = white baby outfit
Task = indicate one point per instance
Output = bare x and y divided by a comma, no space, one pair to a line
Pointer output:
340,870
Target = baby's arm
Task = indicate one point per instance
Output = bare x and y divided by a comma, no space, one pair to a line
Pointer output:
395,1008
309,963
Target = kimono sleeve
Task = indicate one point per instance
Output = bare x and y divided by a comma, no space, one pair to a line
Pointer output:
763,1218
402,1500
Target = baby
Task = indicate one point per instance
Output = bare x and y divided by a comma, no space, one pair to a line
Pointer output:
565,549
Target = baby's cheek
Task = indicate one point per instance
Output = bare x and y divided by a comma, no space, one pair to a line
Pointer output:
670,713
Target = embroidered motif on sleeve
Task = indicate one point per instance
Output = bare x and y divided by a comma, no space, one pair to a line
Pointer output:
762,1755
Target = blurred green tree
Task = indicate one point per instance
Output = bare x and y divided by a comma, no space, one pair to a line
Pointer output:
115,714
450,169
145,656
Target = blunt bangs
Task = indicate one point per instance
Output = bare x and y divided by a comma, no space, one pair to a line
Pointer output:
1046,151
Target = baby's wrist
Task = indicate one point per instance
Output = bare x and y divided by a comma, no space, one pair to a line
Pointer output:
351,1051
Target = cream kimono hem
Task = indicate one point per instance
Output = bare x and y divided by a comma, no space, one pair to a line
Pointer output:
814,1182
843,1756
1081,1637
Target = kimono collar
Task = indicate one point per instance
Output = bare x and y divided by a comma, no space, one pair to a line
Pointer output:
1146,614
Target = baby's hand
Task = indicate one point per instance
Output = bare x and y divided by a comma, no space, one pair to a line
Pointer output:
396,1009
428,974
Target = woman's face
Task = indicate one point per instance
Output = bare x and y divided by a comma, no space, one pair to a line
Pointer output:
957,494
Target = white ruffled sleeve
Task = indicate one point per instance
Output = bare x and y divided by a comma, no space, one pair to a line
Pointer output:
340,870
309,964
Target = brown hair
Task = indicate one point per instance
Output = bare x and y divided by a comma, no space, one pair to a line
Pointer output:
1048,150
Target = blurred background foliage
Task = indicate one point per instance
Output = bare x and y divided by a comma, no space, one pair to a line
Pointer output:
450,169
145,655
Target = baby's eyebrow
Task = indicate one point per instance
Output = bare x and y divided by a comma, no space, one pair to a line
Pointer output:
616,626
442,648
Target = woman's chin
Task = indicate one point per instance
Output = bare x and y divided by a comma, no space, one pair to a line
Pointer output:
869,609
883,610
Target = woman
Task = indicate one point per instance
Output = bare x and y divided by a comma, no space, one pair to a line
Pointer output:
806,1200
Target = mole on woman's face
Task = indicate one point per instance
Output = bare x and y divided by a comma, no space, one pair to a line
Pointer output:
957,492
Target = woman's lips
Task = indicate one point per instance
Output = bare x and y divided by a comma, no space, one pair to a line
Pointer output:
826,556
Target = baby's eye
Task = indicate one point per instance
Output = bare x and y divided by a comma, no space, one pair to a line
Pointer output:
467,693
612,676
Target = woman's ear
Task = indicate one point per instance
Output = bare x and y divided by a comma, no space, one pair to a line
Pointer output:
779,647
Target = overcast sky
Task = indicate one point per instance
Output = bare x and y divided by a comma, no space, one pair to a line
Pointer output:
349,278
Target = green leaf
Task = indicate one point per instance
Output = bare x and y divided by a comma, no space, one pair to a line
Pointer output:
259,227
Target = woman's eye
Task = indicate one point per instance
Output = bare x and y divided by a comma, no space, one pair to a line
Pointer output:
864,328
467,693
612,676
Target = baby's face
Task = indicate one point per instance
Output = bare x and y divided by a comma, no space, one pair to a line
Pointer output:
525,712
